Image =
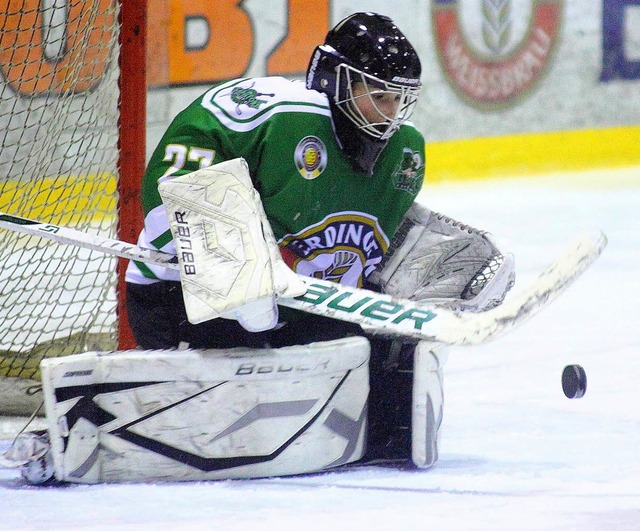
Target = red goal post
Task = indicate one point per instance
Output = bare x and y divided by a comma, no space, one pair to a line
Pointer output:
73,125
131,139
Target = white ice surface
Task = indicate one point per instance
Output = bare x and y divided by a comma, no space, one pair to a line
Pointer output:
515,453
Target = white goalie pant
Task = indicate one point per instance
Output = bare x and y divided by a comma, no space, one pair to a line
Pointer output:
428,402
136,416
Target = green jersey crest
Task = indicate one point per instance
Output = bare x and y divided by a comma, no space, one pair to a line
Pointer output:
409,174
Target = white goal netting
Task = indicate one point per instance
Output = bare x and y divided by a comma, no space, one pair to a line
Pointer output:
58,164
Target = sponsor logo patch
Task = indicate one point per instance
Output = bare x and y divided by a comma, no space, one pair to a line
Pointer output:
344,247
310,157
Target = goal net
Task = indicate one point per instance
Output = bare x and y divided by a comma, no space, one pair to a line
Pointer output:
59,158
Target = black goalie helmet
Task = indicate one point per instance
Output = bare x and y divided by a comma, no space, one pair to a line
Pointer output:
371,74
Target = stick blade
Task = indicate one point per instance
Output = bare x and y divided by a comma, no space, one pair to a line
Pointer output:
474,329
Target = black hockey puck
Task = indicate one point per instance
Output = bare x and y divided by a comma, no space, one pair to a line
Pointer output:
574,381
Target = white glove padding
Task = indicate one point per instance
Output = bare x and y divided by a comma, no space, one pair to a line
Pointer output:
436,258
230,265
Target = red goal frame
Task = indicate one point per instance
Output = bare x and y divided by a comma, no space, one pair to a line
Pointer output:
131,141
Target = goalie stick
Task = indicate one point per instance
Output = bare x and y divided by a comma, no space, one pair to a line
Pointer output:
376,312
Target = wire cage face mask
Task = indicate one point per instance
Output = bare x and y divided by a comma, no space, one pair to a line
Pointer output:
390,104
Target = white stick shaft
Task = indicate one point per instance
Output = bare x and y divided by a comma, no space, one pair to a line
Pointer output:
88,241
367,308
376,312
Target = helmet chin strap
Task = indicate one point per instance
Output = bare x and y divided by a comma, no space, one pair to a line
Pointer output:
363,150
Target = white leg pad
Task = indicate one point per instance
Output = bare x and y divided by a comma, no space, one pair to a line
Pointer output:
428,402
215,414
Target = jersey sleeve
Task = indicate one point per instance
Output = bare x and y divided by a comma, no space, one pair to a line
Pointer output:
194,140
228,121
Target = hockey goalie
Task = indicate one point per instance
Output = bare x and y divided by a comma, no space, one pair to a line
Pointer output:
257,182
309,394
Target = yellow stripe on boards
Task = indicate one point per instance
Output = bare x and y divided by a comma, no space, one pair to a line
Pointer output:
64,199
74,199
532,154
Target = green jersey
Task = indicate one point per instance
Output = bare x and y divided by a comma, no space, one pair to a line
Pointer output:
331,221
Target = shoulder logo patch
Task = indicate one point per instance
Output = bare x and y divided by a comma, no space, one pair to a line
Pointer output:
247,96
409,174
310,157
